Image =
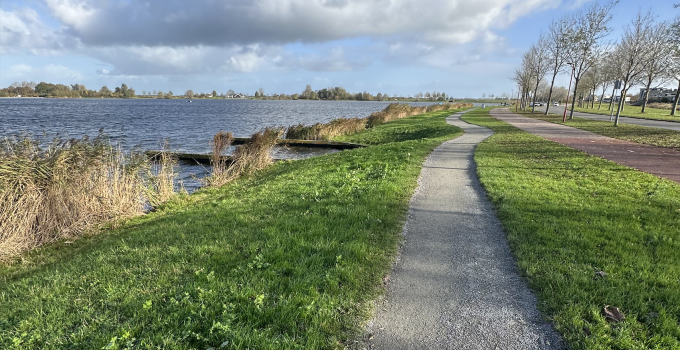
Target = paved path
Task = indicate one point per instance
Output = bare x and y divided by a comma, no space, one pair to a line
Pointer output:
663,162
625,120
456,284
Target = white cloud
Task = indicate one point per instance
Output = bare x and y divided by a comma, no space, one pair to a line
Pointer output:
75,13
156,37
208,22
23,31
49,73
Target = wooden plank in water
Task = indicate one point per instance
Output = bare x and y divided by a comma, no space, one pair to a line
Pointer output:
305,143
205,158
191,157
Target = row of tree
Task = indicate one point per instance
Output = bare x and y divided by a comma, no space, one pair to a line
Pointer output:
31,89
647,54
43,89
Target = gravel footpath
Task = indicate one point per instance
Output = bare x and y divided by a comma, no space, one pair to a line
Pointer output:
456,284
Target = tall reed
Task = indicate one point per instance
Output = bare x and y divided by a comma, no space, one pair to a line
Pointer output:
218,160
160,176
254,155
64,189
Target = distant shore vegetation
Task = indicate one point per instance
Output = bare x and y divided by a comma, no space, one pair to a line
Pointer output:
338,93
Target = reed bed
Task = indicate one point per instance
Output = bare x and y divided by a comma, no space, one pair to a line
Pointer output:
400,110
345,126
327,131
61,191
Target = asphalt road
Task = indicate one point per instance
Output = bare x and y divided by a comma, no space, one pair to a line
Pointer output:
456,284
636,121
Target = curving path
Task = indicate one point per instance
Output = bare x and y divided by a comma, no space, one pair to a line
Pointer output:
456,284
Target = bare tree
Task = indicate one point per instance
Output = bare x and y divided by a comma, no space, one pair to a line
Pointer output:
659,55
674,67
585,41
607,76
539,63
523,79
557,44
631,55
261,91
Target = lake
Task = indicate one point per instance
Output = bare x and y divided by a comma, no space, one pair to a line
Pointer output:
189,126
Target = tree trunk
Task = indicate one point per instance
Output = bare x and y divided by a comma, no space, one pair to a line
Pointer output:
571,114
550,94
618,111
601,97
644,102
611,99
533,105
675,100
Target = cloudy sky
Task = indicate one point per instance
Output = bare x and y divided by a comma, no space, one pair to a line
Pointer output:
461,47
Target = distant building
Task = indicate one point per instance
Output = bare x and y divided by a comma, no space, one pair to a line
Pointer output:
658,94
236,95
617,98
592,97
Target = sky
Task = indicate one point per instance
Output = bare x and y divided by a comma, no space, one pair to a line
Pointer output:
464,48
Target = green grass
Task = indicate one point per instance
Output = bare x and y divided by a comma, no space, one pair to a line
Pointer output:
633,112
291,257
635,133
568,215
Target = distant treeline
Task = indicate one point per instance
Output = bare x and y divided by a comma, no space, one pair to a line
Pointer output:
42,89
339,93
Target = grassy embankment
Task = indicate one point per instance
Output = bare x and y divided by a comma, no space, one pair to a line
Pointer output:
634,133
587,233
633,112
289,257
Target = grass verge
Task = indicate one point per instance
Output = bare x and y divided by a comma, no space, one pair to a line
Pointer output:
634,133
587,233
288,257
634,112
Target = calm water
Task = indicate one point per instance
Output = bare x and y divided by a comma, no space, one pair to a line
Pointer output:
189,126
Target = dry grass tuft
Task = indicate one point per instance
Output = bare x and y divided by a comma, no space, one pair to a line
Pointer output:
59,192
660,105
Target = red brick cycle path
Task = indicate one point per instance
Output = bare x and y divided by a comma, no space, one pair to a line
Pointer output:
659,161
